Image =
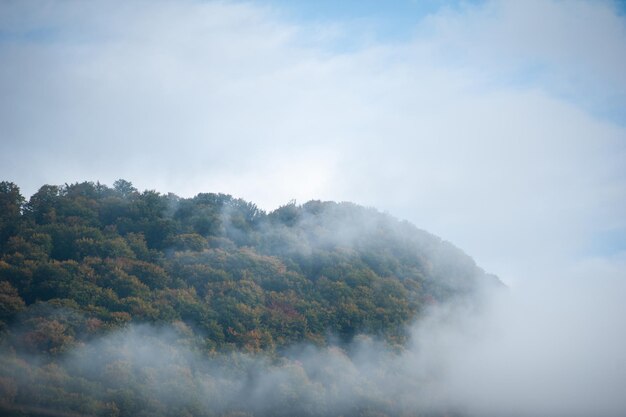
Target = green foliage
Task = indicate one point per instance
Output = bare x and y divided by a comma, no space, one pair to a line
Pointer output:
10,302
79,260
11,202
222,265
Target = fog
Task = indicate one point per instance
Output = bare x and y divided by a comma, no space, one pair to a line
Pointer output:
547,347
543,349
520,353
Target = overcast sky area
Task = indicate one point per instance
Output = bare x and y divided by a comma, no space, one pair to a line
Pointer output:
497,125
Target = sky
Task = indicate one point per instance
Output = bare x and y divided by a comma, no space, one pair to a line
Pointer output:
499,125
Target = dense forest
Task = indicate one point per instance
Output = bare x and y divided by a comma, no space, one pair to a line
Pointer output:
116,302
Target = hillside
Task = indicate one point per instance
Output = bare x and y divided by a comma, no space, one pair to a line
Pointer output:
82,264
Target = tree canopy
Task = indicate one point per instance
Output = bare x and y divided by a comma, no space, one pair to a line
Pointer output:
78,261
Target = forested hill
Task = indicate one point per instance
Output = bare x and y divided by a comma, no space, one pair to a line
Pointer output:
82,260
239,276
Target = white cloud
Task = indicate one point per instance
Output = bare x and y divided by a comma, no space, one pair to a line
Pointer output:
572,48
218,96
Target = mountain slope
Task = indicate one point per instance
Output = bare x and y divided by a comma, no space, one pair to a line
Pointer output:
81,263
238,275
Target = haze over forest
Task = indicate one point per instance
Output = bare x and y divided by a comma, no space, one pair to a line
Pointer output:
117,302
220,277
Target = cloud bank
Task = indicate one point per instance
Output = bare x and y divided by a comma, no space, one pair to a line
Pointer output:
497,125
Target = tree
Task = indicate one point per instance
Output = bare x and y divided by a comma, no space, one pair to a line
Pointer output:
10,301
124,188
42,206
11,202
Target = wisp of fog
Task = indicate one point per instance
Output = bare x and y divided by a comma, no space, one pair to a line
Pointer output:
557,348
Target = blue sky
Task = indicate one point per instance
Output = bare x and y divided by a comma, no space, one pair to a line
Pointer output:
386,19
405,12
